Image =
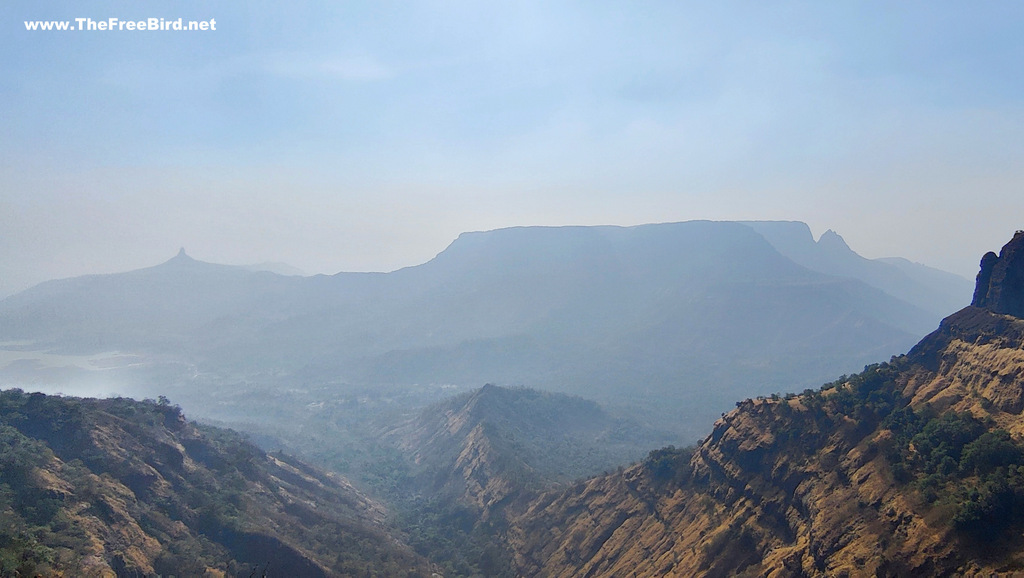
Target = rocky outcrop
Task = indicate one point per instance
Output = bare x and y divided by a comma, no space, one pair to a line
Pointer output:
1000,284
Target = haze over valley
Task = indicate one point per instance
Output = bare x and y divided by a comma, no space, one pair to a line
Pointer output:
674,320
555,289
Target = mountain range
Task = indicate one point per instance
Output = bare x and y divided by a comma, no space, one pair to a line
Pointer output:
913,466
677,319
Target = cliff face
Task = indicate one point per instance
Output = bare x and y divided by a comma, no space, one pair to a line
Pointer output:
909,468
1000,286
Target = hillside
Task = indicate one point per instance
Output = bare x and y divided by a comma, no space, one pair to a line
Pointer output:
641,316
552,437
118,487
912,467
449,471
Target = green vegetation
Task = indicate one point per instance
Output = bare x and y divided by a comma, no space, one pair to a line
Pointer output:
970,472
956,462
963,465
25,510
133,486
669,464
867,397
453,537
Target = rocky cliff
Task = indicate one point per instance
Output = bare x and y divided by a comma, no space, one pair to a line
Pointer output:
1000,286
913,467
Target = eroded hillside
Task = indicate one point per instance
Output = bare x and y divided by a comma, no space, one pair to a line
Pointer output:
126,488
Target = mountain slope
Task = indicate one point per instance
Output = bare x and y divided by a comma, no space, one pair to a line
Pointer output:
535,438
914,467
118,487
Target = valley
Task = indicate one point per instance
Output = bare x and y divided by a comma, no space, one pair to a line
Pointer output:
512,481
577,289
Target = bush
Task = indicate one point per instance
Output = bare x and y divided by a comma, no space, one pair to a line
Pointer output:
957,461
992,450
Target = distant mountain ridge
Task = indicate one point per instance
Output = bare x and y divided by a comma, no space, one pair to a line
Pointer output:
647,315
931,289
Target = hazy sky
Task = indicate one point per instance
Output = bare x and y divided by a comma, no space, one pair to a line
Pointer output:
367,135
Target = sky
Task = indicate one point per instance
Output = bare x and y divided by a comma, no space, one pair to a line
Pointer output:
365,136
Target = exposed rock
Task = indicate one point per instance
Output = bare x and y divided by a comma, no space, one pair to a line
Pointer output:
1000,284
